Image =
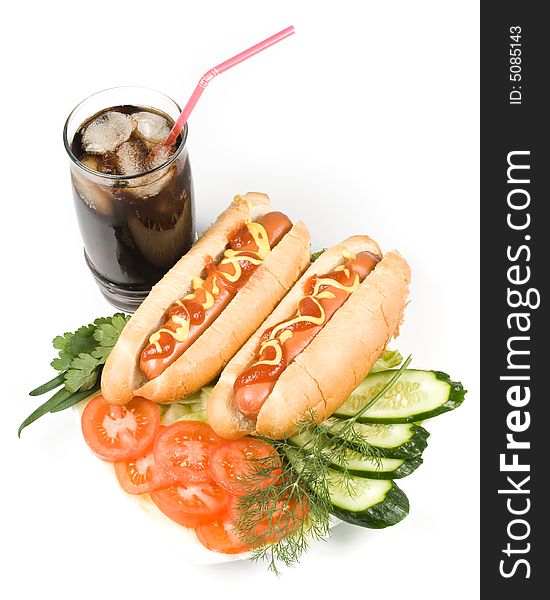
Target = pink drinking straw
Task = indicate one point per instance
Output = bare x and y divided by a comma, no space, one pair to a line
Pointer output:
222,67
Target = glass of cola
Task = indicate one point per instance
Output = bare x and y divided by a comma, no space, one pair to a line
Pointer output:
133,196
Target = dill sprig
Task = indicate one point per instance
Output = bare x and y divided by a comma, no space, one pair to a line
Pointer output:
287,503
279,520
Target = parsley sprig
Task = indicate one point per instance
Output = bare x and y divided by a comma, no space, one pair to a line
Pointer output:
81,356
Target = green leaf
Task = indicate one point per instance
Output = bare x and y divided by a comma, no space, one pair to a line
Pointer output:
118,320
103,332
83,373
62,362
76,398
54,401
101,320
101,354
80,359
49,385
59,401
107,334
82,341
108,331
70,345
60,342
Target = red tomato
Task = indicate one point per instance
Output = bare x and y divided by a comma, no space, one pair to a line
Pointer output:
116,433
288,517
191,504
142,475
221,535
233,462
183,450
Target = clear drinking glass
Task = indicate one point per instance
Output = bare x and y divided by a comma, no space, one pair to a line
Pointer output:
134,227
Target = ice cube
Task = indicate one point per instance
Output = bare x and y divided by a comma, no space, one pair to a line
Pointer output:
97,197
107,163
160,244
153,184
90,161
107,132
152,127
131,157
102,163
158,155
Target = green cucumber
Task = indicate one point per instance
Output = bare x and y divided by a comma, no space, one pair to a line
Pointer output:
400,440
372,503
416,396
361,466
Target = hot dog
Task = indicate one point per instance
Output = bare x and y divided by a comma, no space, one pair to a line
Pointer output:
208,304
283,342
316,346
190,316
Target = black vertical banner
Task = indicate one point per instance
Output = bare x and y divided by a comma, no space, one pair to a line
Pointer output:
515,242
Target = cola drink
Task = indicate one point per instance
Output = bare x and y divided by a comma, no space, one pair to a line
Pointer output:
133,198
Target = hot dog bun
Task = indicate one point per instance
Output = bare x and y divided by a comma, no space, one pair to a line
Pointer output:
205,358
321,377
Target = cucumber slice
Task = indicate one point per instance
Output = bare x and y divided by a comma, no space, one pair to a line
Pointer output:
372,503
416,396
361,466
367,502
400,440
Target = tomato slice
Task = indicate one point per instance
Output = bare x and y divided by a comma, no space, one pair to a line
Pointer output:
142,475
116,433
183,450
233,465
289,515
192,504
221,535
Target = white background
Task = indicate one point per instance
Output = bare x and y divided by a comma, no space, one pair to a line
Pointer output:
366,121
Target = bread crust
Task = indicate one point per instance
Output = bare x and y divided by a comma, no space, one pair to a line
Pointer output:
321,378
204,359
